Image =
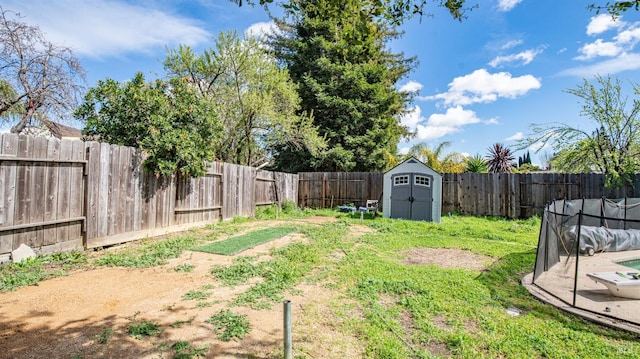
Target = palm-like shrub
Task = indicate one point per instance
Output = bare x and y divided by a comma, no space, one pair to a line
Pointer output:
452,162
500,159
476,164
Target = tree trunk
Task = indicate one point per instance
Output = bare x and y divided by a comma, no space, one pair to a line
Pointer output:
18,127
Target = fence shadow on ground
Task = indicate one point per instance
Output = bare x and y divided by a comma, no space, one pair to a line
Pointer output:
21,339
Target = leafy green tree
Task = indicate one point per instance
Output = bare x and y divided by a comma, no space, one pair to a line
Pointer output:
391,11
476,164
527,167
500,158
176,128
451,162
347,80
612,148
255,99
615,8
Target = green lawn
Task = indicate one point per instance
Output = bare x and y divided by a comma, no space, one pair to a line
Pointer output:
427,311
402,310
459,312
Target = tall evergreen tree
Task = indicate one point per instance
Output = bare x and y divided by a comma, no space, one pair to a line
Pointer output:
346,79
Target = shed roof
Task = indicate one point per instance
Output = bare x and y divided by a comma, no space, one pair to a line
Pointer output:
414,161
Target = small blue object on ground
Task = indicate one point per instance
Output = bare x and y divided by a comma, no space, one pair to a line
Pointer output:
346,209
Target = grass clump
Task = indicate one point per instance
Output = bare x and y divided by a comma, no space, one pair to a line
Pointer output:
230,326
240,243
104,336
239,272
33,270
288,210
153,254
143,329
180,323
185,268
196,295
138,329
184,350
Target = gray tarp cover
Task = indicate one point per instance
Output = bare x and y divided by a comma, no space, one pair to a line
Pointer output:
602,239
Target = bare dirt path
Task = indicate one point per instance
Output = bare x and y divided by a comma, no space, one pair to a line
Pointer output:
65,316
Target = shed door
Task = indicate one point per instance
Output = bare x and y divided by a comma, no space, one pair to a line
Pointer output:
412,196
422,193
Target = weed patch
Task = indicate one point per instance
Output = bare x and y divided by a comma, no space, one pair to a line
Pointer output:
196,295
154,254
184,350
143,329
33,270
185,268
230,326
179,323
241,270
104,336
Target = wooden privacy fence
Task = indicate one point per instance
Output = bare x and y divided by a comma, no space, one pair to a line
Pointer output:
479,194
58,195
330,189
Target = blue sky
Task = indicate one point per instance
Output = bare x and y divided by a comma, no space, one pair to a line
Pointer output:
480,81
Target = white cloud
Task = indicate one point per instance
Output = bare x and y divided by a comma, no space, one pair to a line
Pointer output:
439,125
260,29
602,23
426,133
455,116
624,41
507,5
511,44
525,57
492,121
412,118
616,65
599,48
102,28
484,87
411,87
628,37
515,137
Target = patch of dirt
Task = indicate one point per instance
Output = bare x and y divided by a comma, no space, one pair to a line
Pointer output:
447,258
65,316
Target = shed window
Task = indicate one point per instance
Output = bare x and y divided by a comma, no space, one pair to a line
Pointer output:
401,180
422,181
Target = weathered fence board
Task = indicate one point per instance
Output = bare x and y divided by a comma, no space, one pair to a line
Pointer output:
41,198
60,194
508,195
330,189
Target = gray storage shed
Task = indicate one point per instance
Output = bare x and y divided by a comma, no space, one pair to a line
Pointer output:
412,190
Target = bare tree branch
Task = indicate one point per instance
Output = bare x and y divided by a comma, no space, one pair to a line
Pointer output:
43,77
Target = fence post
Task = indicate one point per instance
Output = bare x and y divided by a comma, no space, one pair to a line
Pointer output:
575,280
287,329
